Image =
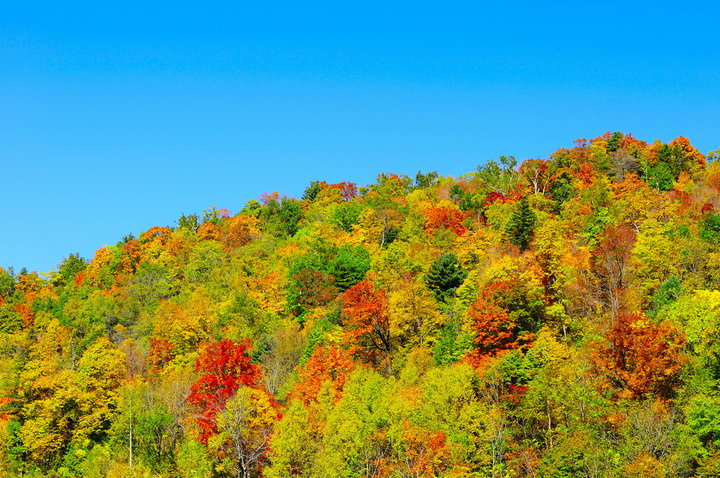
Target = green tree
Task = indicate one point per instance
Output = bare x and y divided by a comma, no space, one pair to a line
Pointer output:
280,218
561,190
312,191
710,228
191,222
346,215
212,215
10,320
519,230
426,180
70,267
353,442
499,178
7,283
349,266
292,444
660,177
456,193
290,214
452,344
151,283
614,142
206,257
145,428
445,276
667,293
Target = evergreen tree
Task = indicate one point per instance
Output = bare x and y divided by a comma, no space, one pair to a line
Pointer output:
445,276
614,142
457,193
522,223
311,192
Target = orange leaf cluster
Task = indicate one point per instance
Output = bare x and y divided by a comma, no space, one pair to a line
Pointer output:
209,231
327,364
494,328
348,191
444,218
156,233
641,357
160,353
368,322
27,315
427,453
241,230
689,151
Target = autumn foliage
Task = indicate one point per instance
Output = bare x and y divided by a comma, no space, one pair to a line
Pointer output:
444,218
495,330
368,324
640,357
328,366
494,319
224,367
552,317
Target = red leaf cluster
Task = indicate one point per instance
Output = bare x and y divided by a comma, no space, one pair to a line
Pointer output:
225,367
368,321
641,357
160,353
444,218
494,197
328,364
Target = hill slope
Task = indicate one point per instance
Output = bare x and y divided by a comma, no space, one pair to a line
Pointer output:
559,318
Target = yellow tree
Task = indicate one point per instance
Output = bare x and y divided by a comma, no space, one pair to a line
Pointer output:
245,427
100,373
46,387
655,244
414,318
636,200
174,325
65,403
293,444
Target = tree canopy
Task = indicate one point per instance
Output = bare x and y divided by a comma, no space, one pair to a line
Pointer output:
553,317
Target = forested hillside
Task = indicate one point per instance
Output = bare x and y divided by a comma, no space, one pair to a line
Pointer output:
555,318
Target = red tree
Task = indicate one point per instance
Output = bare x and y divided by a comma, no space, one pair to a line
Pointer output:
611,265
368,322
225,367
444,218
494,329
160,354
641,357
504,317
327,364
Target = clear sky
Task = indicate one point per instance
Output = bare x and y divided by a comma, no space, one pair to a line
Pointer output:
117,118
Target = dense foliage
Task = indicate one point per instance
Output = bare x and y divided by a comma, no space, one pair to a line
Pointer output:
560,318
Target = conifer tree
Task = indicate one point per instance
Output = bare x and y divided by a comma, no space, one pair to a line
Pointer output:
445,276
522,223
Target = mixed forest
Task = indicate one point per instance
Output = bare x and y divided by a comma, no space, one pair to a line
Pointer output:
554,318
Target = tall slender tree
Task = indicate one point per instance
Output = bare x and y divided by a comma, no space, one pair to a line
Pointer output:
519,230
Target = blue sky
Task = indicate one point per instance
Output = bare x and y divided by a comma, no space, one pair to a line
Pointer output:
116,119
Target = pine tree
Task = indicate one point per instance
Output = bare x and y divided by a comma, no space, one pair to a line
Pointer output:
522,223
445,276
